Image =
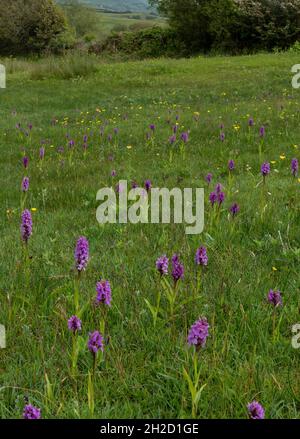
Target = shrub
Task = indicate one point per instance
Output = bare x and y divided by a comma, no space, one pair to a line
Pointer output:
148,43
233,25
32,26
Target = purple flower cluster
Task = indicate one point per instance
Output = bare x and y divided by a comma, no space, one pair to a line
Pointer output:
294,167
256,410
177,268
31,412
26,225
162,265
201,257
74,324
274,297
148,185
103,292
209,177
25,184
265,169
262,131
95,342
231,165
42,153
25,161
185,137
234,209
217,196
81,254
198,333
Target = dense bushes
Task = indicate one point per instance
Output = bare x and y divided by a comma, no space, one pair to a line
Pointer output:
147,43
31,26
233,25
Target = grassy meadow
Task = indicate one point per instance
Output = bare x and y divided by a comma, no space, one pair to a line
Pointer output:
143,370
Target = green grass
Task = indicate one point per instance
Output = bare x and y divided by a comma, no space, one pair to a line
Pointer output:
249,353
109,22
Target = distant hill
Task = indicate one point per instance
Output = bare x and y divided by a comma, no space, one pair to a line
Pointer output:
118,5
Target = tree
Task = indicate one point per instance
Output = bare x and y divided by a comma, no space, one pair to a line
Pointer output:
198,22
83,19
236,25
30,25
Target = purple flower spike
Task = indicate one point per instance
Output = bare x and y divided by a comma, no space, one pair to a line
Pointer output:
148,185
31,412
162,265
234,209
103,292
294,167
198,333
231,165
213,198
177,268
74,324
222,137
209,177
274,297
172,139
152,127
251,122
185,137
26,226
42,153
201,256
25,161
265,169
95,342
81,254
221,198
25,184
256,410
219,188
262,131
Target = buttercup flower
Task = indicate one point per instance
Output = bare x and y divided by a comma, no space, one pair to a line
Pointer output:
201,257
95,342
162,265
198,333
274,297
256,410
26,225
31,412
81,254
74,324
103,292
